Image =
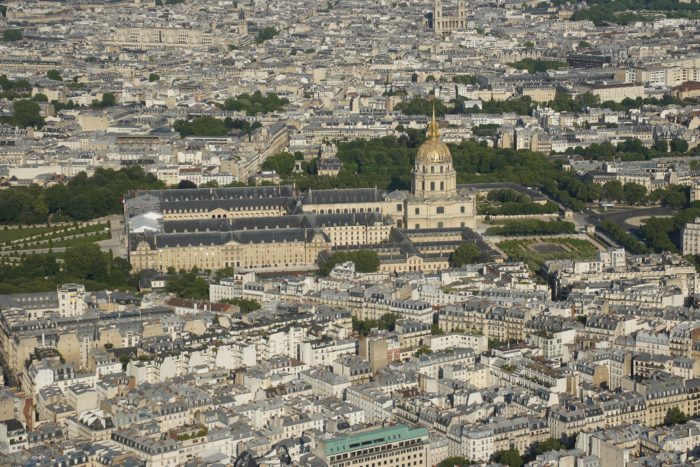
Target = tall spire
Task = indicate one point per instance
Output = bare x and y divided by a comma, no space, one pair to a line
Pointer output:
433,128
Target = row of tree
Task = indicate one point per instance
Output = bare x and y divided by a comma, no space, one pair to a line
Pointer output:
532,227
515,208
620,236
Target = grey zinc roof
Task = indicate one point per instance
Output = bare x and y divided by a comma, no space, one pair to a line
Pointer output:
221,238
348,195
272,222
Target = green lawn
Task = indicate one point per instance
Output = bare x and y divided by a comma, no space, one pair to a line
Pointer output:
21,238
8,234
73,241
535,252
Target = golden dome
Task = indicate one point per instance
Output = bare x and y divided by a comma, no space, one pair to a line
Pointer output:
433,151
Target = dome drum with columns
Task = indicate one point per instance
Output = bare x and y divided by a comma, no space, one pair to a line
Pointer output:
433,173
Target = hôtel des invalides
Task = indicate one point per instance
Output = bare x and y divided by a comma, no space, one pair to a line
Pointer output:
274,228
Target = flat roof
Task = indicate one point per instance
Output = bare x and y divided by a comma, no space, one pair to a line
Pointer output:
370,438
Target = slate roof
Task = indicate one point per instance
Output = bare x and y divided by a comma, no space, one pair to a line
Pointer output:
220,238
347,195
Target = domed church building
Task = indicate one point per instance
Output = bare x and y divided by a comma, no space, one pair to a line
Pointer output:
435,200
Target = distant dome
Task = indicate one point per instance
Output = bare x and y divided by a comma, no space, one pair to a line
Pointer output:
433,151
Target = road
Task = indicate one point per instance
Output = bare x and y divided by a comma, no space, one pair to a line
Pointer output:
620,216
114,243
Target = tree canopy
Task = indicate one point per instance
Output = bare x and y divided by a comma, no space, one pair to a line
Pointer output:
364,326
108,100
254,104
265,33
84,197
547,445
244,304
86,262
365,261
187,284
536,65
11,35
675,416
282,163
27,113
467,253
54,74
511,458
201,126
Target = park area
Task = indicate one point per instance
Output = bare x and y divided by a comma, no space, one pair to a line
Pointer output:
29,239
534,252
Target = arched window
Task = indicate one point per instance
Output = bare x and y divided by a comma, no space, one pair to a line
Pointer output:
442,186
432,186
432,169
442,169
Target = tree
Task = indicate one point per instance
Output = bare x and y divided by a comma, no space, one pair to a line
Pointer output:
265,34
466,79
188,285
511,458
11,35
624,239
420,106
365,261
613,191
85,261
54,75
549,444
153,77
584,45
27,114
435,330
364,326
679,145
465,254
108,100
255,103
634,193
533,65
39,97
186,185
282,163
675,416
422,350
244,305
202,126
660,145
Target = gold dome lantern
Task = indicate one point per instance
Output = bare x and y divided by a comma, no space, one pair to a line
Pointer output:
433,151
